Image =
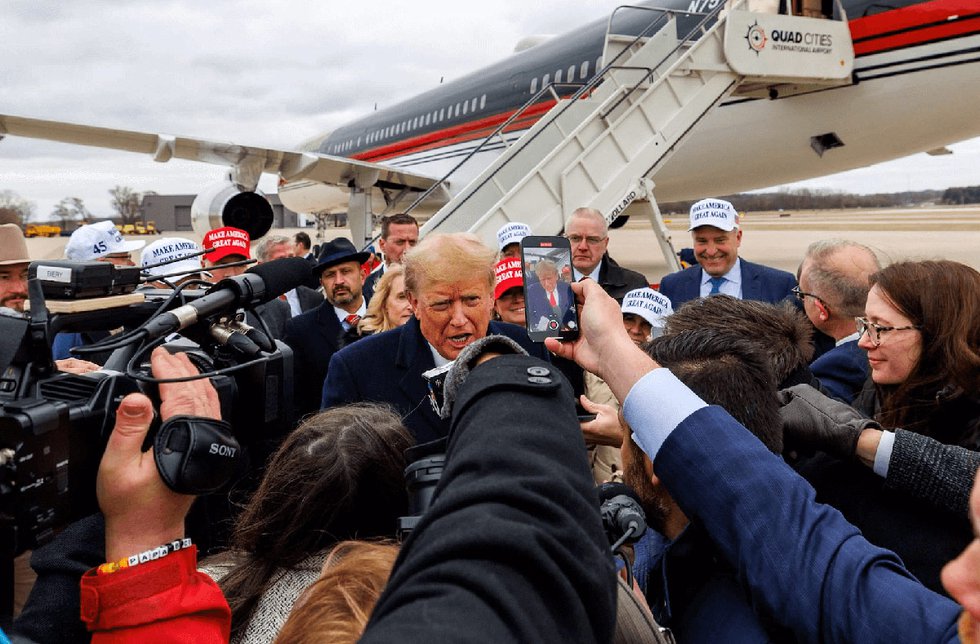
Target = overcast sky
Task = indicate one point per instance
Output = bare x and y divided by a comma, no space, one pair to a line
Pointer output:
271,74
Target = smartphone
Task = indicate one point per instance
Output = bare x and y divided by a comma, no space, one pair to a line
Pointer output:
549,303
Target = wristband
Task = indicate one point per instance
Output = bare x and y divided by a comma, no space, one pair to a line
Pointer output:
146,556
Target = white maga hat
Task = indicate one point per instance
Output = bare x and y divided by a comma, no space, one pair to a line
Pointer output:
714,212
649,304
511,233
170,249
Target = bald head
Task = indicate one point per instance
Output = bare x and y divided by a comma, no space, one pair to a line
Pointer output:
836,271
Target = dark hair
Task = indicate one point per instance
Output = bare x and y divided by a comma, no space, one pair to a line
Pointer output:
782,331
943,299
397,219
726,369
338,476
304,239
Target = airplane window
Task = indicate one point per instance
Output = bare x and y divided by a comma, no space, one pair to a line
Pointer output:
571,74
465,105
534,86
441,115
545,81
358,140
457,109
473,105
584,72
598,64
558,76
483,101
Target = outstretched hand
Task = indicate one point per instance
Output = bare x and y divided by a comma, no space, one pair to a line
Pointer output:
140,511
603,346
605,428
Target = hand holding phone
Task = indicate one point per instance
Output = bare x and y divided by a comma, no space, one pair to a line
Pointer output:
549,303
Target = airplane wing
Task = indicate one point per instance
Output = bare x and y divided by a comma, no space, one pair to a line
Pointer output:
247,162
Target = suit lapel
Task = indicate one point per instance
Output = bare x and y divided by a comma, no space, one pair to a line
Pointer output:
414,357
328,326
751,284
694,284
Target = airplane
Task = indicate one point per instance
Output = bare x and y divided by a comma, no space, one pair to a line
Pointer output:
916,71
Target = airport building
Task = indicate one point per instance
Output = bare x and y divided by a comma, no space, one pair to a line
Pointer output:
172,213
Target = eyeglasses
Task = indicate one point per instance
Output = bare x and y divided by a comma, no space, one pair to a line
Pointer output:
801,296
874,331
577,239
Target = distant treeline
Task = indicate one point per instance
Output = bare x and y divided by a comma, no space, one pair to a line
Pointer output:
806,199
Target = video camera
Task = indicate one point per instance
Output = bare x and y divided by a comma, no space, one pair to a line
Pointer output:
54,425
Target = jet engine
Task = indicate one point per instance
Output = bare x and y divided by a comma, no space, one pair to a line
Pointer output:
226,204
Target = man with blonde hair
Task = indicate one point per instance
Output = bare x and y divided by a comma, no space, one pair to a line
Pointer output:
450,282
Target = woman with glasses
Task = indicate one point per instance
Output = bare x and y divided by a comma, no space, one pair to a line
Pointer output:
921,330
921,333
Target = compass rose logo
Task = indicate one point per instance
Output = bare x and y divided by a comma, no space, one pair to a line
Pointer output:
756,38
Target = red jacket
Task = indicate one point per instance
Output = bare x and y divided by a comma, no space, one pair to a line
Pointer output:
166,600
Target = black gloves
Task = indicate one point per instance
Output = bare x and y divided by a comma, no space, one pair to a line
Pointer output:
812,421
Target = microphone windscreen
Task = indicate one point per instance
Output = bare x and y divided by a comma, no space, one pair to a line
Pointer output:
610,490
282,275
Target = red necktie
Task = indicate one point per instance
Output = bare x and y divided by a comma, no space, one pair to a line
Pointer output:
551,297
352,319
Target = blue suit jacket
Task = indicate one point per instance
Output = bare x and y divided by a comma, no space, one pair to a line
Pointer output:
801,561
538,306
388,367
759,282
314,337
842,371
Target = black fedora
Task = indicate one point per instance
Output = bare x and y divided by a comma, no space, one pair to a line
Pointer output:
337,251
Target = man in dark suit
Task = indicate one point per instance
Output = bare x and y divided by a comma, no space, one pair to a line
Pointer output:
316,335
801,561
833,289
450,282
588,234
549,301
399,233
717,237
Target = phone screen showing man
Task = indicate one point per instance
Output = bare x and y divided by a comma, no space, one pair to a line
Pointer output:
549,304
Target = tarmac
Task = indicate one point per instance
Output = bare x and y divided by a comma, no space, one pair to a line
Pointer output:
777,239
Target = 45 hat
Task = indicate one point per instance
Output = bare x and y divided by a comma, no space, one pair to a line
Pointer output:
93,241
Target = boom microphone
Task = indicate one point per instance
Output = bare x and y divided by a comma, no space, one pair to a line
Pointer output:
257,285
622,515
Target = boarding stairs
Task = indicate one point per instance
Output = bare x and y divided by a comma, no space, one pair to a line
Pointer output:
602,146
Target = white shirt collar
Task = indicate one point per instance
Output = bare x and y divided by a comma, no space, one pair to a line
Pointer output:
594,274
734,275
437,357
342,314
851,338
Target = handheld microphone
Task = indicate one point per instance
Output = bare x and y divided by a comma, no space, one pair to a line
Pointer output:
622,515
258,285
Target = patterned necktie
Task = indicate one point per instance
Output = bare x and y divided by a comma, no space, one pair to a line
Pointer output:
551,298
352,320
716,283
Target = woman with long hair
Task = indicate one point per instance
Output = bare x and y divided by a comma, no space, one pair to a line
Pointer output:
921,330
338,476
389,307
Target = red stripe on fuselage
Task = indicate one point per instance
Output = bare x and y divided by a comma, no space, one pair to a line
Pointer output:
914,25
480,128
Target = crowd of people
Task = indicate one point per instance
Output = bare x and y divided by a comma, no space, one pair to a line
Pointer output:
803,447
